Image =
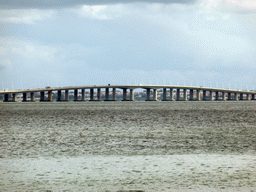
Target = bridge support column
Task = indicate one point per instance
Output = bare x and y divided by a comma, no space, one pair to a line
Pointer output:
236,96
67,95
185,94
42,96
75,95
99,94
229,96
114,94
204,95
148,94
191,92
253,97
198,95
131,94
171,94
83,95
91,94
211,95
248,97
155,95
124,94
32,97
164,94
49,95
241,96
216,95
24,97
59,95
14,97
223,96
6,97
178,95
107,94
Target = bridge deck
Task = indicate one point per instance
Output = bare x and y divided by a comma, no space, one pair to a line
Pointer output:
128,87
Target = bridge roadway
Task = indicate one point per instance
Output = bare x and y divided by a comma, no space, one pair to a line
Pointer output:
171,95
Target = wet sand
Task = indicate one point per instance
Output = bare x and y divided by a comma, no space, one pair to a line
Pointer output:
119,146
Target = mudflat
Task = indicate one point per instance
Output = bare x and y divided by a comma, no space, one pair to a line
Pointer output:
122,146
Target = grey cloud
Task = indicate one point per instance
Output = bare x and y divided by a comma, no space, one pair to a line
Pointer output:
55,4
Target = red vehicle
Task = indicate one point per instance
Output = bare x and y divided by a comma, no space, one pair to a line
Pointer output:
47,87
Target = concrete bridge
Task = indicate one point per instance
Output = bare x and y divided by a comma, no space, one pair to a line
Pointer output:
169,93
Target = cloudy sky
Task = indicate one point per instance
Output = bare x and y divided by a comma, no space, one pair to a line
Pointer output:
97,42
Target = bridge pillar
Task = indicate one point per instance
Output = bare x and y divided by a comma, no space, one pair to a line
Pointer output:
178,95
75,94
59,95
107,94
32,96
171,94
49,95
236,96
204,95
241,96
148,94
191,92
185,94
99,94
124,94
211,95
164,94
91,94
42,96
14,97
253,97
131,94
216,95
6,97
114,94
223,96
155,95
24,97
83,95
248,96
67,95
229,96
198,95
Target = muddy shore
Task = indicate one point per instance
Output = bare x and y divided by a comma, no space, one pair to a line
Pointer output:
131,131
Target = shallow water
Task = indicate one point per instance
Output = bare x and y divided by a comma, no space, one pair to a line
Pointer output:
145,146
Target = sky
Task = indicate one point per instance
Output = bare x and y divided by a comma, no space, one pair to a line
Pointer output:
209,43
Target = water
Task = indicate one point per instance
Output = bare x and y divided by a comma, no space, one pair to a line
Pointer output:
121,146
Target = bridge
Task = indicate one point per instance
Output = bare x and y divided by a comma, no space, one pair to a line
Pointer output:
169,93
